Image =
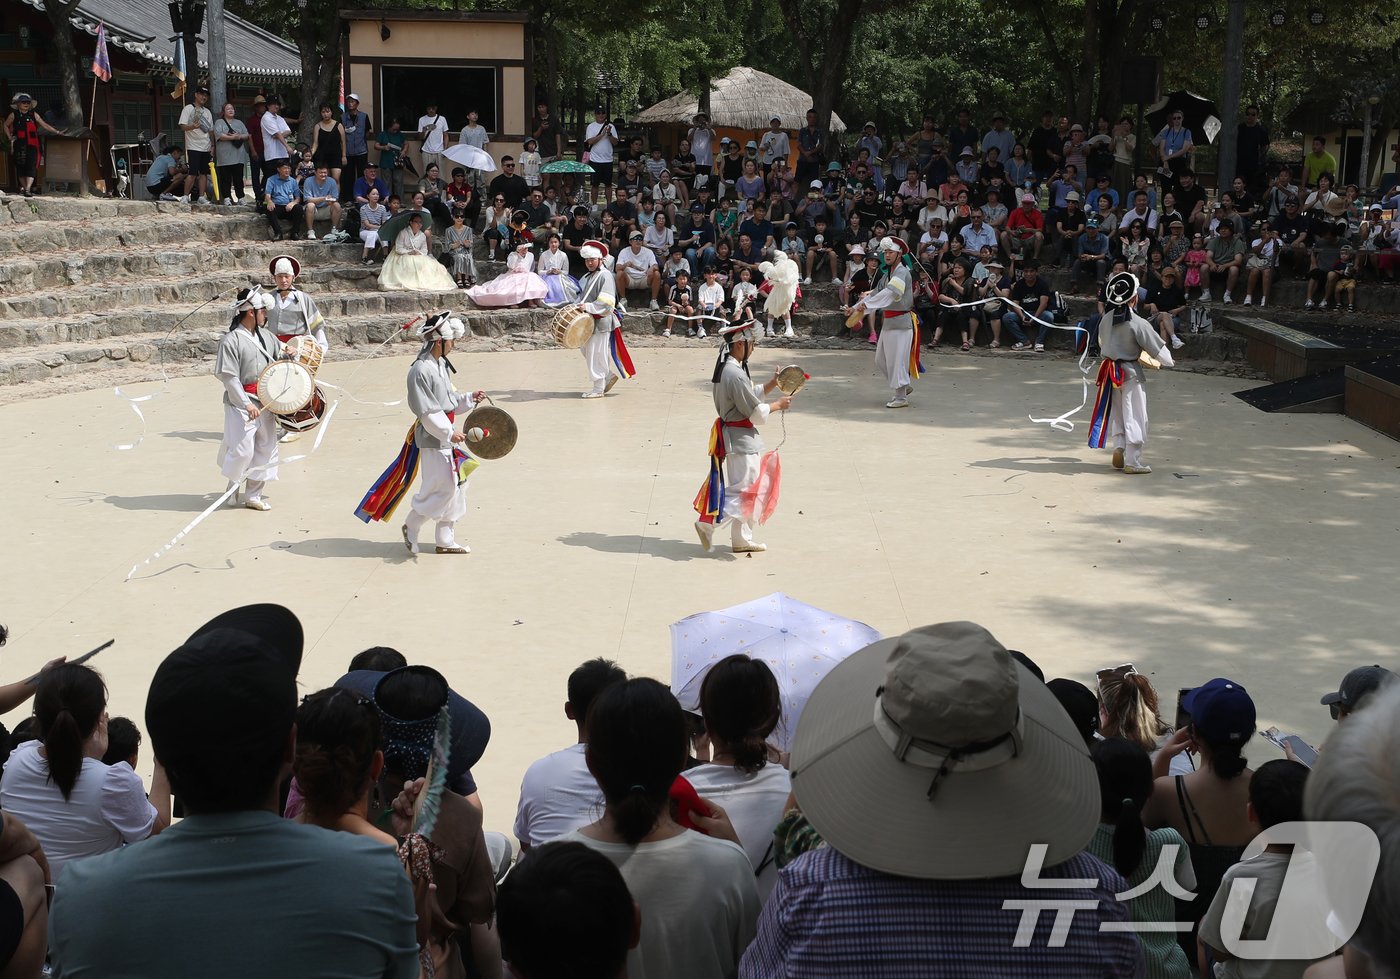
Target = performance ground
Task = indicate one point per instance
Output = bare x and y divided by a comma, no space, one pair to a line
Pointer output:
1263,547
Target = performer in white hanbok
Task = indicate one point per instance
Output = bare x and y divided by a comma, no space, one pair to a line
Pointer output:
781,276
735,445
442,497
293,313
248,452
605,349
897,352
1129,343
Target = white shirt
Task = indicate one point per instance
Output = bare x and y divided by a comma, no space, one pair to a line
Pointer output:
274,148
700,140
433,127
558,794
773,146
700,908
107,808
1148,219
755,804
636,263
601,151
711,294
198,139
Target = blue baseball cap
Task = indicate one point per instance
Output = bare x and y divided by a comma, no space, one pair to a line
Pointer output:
1221,711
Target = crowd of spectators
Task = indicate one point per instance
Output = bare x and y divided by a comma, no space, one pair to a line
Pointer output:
988,199
915,842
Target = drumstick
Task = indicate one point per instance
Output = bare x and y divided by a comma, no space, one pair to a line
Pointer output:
77,662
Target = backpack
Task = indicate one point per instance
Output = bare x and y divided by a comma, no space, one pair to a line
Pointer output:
1200,320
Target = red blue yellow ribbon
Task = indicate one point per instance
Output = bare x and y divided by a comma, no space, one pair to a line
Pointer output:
1111,375
393,484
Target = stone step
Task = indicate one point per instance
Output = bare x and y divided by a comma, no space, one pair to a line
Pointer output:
154,225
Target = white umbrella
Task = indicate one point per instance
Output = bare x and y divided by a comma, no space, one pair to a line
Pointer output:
470,157
800,644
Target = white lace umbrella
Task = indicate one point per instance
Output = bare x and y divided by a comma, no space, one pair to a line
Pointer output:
800,644
470,157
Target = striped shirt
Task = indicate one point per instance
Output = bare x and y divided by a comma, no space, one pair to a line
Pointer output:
832,917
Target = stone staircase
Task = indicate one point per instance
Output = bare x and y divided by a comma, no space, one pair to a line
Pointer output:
89,284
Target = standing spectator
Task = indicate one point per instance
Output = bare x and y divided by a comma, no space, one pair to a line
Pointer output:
197,122
230,153
474,134
1124,144
275,136
233,864
328,147
1046,147
999,138
1175,147
509,184
530,163
698,891
700,143
963,132
164,171
958,717
548,134
869,141
75,805
599,138
567,912
355,124
740,703
432,128
390,143
1252,149
1318,162
775,145
282,199
1122,842
255,146
810,140
1076,151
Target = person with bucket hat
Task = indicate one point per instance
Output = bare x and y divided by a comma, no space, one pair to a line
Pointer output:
931,765
22,127
233,889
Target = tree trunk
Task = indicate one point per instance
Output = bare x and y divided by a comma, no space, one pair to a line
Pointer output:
551,67
1084,86
319,44
66,52
825,74
703,93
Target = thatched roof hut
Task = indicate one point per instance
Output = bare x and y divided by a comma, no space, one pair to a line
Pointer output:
744,99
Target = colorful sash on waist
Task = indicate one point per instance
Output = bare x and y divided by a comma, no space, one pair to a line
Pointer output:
621,359
391,486
709,502
1111,375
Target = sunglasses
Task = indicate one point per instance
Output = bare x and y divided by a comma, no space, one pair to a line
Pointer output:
1115,673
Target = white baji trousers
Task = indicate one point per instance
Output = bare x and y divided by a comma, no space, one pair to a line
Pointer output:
892,357
740,472
1127,429
249,445
439,498
598,357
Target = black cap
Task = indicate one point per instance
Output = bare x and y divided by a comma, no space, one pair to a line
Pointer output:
1079,703
1357,684
231,688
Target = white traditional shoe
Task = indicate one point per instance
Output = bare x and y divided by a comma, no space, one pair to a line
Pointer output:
257,504
1137,470
408,541
752,547
706,533
1117,458
454,549
897,403
237,488
289,437
612,379
592,394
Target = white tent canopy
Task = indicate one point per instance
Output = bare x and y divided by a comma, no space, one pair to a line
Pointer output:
746,98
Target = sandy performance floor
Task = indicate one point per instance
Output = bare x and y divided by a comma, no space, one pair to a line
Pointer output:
1263,548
